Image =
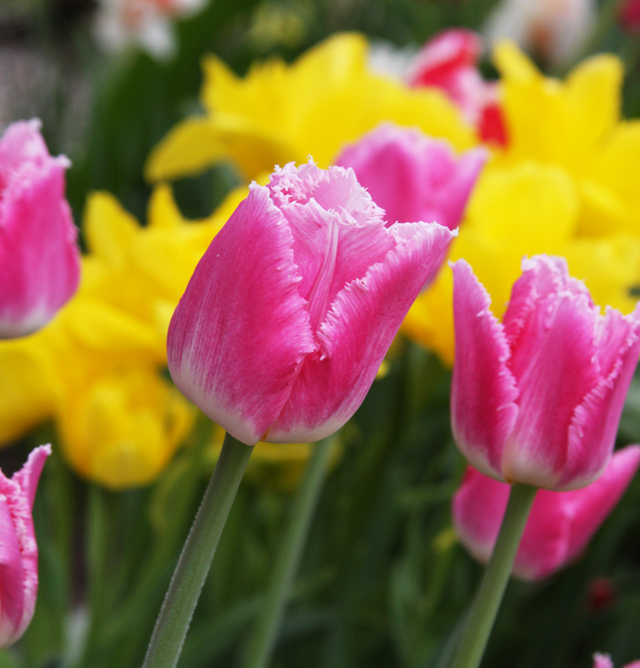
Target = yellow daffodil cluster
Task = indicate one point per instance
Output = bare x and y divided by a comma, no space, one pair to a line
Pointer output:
96,370
566,183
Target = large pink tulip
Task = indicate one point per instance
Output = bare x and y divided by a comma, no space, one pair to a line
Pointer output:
290,312
604,661
18,548
537,398
560,524
39,258
412,176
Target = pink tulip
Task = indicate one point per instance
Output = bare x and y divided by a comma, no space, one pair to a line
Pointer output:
39,258
604,661
18,548
449,62
537,398
560,525
290,312
412,176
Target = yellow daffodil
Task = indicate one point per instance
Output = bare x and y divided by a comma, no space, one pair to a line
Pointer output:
280,112
576,125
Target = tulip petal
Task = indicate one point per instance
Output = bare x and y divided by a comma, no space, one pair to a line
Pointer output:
21,142
27,477
338,231
241,329
362,321
412,176
483,390
552,328
595,422
39,261
560,524
477,509
543,276
11,569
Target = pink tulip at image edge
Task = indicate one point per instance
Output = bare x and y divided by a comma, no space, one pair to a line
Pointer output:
288,315
413,176
560,524
537,398
604,661
39,257
19,550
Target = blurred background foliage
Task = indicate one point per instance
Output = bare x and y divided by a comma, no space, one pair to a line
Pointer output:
383,581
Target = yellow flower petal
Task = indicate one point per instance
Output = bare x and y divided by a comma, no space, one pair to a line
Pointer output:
190,147
121,429
280,112
610,267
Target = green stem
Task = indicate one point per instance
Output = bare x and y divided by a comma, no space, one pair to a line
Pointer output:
197,553
265,632
485,607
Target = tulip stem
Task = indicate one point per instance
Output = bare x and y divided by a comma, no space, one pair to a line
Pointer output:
197,554
489,596
264,635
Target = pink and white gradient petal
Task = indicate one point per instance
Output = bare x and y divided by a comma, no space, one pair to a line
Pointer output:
483,389
39,257
18,548
356,333
560,525
241,329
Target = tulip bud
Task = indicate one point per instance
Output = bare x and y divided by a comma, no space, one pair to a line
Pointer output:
290,312
412,176
537,398
39,258
19,574
560,524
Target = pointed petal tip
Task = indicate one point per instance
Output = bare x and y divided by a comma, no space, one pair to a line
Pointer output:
28,476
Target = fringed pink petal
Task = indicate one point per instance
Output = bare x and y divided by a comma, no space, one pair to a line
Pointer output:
241,330
552,327
595,422
29,475
22,142
483,391
554,368
12,591
362,321
543,277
